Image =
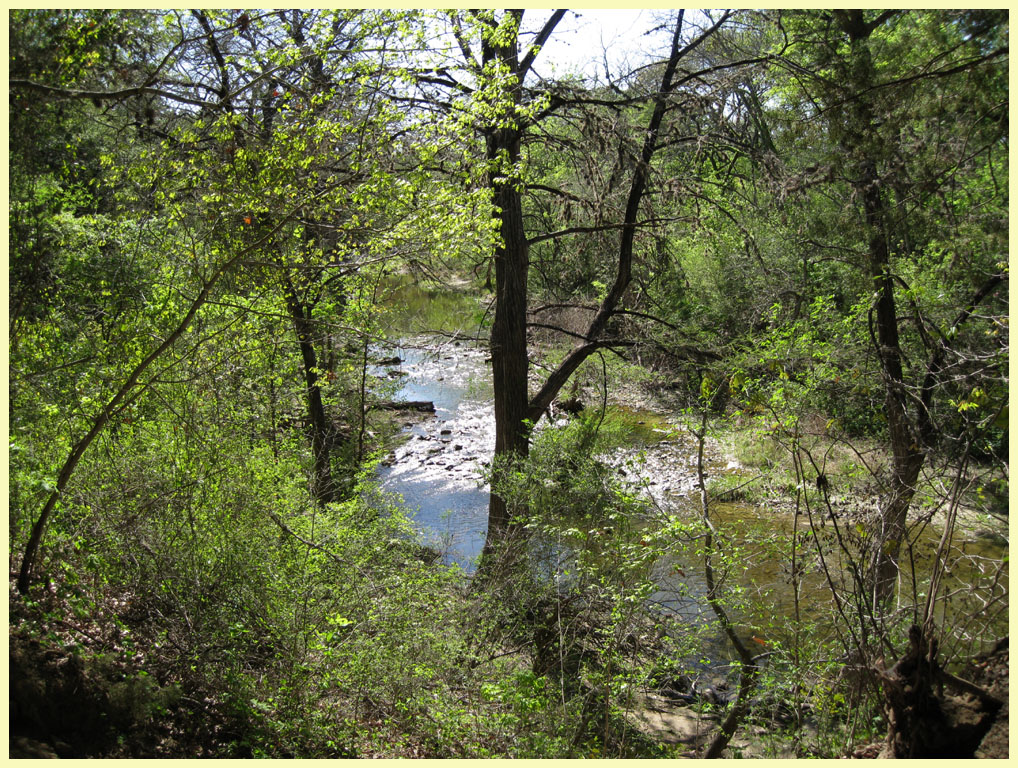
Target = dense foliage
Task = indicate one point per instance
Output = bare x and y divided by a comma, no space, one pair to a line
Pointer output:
792,227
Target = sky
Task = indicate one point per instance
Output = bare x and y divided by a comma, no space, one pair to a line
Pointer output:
583,35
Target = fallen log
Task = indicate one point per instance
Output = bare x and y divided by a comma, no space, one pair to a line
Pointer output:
423,406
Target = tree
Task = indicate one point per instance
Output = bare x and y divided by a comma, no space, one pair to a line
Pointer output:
506,111
879,82
278,172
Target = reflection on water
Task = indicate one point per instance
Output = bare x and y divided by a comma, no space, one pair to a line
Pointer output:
761,574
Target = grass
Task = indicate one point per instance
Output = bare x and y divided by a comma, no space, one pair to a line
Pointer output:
764,449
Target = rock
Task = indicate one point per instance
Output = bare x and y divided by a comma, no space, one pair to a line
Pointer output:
867,751
675,686
706,694
395,360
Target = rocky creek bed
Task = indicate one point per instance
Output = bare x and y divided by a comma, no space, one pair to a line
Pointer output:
440,468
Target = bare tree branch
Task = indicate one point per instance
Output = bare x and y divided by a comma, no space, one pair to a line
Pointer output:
123,93
539,41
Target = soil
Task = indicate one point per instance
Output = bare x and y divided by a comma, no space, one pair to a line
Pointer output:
990,672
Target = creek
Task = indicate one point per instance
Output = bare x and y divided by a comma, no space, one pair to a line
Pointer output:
440,472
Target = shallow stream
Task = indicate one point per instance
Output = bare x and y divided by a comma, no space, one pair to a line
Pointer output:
440,472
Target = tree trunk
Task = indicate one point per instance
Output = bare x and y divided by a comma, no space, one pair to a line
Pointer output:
908,455
514,415
322,486
922,719
509,328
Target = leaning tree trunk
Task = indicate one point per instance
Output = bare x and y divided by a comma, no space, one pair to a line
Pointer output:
129,390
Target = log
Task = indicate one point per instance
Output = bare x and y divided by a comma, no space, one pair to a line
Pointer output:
424,406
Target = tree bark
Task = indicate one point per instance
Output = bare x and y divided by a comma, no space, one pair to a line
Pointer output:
322,486
908,452
509,328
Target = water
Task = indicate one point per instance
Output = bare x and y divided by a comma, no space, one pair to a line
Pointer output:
439,471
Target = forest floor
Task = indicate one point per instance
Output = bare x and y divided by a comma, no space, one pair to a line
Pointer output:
77,689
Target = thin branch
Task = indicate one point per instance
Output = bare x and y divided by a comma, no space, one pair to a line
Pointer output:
575,231
123,93
345,564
